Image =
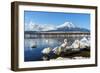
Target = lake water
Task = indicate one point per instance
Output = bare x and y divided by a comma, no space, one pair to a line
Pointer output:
34,53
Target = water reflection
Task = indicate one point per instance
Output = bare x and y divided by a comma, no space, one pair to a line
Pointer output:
33,47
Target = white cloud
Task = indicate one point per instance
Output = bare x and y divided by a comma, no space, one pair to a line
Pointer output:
29,27
38,27
46,27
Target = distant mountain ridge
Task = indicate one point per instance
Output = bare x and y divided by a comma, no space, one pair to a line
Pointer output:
65,27
69,30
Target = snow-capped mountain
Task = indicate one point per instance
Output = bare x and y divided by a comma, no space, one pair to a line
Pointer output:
38,27
65,27
69,27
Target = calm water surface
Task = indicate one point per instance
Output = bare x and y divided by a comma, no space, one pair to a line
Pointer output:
34,54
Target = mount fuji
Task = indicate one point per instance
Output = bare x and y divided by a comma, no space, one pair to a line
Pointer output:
68,27
65,27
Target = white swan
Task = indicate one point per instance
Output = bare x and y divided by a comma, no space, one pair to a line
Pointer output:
64,45
57,50
46,50
61,48
84,42
76,44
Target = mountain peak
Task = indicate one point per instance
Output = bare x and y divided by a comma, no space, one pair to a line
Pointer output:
67,25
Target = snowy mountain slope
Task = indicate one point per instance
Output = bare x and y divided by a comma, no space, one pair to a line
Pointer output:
65,27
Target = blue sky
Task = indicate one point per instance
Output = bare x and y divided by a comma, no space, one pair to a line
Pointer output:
57,18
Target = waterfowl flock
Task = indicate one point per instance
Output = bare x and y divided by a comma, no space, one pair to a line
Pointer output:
64,48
